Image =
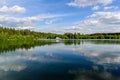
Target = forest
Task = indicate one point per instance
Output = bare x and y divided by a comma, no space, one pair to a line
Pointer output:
15,34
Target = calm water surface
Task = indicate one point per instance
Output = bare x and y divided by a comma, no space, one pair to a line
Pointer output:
63,60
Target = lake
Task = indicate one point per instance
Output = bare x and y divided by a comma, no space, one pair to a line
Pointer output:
60,60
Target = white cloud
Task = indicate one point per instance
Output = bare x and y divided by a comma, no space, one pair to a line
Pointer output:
101,22
90,22
97,22
84,3
16,22
51,21
110,7
26,22
66,29
13,9
95,8
106,18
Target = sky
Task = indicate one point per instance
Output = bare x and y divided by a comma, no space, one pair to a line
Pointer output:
61,16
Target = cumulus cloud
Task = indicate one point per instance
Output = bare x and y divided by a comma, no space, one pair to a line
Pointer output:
94,23
101,22
16,22
25,22
95,8
13,9
84,3
106,18
67,29
110,7
51,21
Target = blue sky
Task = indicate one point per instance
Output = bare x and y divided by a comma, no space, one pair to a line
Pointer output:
61,16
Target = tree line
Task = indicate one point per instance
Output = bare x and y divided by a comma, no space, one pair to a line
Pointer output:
15,34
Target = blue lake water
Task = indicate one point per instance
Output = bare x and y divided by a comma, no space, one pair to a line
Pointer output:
62,60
